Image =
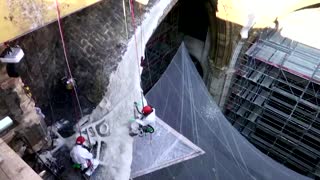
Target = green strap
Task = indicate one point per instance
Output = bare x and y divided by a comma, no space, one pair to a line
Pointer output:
76,166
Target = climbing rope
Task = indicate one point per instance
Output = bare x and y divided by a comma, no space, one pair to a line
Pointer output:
134,30
125,18
135,39
141,28
146,58
67,63
65,51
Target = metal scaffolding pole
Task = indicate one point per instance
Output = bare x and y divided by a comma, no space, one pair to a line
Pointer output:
274,100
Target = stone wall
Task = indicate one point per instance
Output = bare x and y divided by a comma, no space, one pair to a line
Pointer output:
40,68
116,108
224,36
104,63
95,39
16,103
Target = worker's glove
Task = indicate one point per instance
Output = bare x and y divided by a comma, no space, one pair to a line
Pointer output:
132,120
138,104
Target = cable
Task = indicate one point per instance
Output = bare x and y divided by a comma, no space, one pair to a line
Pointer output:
258,94
141,28
26,141
135,39
257,124
145,53
267,120
293,155
135,36
246,70
125,17
67,63
258,85
232,100
218,118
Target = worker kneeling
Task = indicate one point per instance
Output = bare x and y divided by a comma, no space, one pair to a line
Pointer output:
83,158
143,122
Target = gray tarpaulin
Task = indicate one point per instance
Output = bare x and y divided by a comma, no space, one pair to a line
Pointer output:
183,102
164,148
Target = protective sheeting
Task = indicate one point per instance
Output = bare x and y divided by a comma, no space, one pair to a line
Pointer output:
183,102
164,148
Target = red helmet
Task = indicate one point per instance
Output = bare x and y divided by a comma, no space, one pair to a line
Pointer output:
80,140
147,110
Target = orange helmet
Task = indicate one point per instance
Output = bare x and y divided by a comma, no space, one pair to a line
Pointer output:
147,110
80,140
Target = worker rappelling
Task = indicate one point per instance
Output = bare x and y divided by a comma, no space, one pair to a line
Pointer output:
69,83
143,120
82,158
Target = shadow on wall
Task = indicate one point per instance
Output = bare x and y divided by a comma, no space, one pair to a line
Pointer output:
95,39
186,18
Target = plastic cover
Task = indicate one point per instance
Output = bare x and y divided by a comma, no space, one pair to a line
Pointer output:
183,102
164,148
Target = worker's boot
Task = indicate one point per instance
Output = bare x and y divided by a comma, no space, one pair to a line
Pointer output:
92,168
86,177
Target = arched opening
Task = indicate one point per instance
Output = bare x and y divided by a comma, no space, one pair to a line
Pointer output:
187,22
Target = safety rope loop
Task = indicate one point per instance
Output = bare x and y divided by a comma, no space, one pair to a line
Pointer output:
66,56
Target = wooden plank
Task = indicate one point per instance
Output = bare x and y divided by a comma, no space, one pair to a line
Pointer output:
3,175
13,167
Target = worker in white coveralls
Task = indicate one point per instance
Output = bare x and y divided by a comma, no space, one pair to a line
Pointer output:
82,157
144,122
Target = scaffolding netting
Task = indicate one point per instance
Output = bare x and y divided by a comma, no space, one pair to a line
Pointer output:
183,102
164,148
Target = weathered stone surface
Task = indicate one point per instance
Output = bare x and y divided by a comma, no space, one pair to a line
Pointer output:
116,108
95,39
96,45
15,103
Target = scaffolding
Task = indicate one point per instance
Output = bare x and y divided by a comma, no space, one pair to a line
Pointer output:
275,100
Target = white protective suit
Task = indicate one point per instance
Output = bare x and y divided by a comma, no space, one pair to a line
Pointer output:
147,120
81,155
